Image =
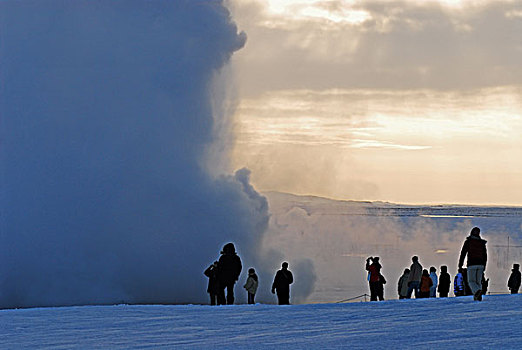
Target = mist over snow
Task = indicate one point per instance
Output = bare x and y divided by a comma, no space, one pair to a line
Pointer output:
108,117
338,236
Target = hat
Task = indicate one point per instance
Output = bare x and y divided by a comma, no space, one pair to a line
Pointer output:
229,249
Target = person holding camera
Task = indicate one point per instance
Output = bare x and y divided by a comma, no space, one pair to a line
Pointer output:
375,278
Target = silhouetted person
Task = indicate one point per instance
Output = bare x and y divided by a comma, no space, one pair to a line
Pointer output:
376,284
435,280
402,286
415,277
475,249
514,279
229,268
425,284
459,288
213,284
282,281
444,282
251,285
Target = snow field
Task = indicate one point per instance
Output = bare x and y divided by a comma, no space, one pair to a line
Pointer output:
451,323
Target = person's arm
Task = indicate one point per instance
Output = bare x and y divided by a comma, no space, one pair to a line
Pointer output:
208,271
275,283
248,283
485,256
463,253
290,278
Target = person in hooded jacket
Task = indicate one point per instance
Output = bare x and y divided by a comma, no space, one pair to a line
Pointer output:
425,284
282,281
251,285
444,282
213,284
229,269
376,284
514,279
474,248
402,287
434,279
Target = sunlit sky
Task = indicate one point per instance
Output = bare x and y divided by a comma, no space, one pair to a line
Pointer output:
401,101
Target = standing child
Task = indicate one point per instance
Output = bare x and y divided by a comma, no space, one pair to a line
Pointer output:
402,287
458,284
425,284
251,285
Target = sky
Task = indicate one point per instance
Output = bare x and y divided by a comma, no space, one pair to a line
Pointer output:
402,101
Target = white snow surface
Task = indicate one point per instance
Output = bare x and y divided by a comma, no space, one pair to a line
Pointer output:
450,323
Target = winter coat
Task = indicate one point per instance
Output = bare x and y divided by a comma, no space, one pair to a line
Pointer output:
282,281
375,271
229,268
514,280
425,284
402,287
415,272
475,248
434,279
458,284
251,283
213,284
444,283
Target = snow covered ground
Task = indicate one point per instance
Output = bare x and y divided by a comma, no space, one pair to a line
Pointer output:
452,323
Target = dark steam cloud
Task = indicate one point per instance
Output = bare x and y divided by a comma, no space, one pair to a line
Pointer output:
106,118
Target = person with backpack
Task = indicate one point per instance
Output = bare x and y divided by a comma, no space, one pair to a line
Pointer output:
444,282
415,277
282,281
474,248
213,284
402,287
425,284
229,269
251,285
376,284
514,279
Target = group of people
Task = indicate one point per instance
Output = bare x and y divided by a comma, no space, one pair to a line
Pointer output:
468,281
224,273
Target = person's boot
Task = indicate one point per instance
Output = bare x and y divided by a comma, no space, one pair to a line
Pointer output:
478,295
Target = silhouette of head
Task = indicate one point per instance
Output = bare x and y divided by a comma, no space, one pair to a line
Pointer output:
376,259
425,272
285,265
215,263
516,266
415,258
433,269
406,270
251,270
444,268
229,249
475,231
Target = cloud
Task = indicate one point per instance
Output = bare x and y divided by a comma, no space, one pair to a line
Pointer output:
400,44
108,114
